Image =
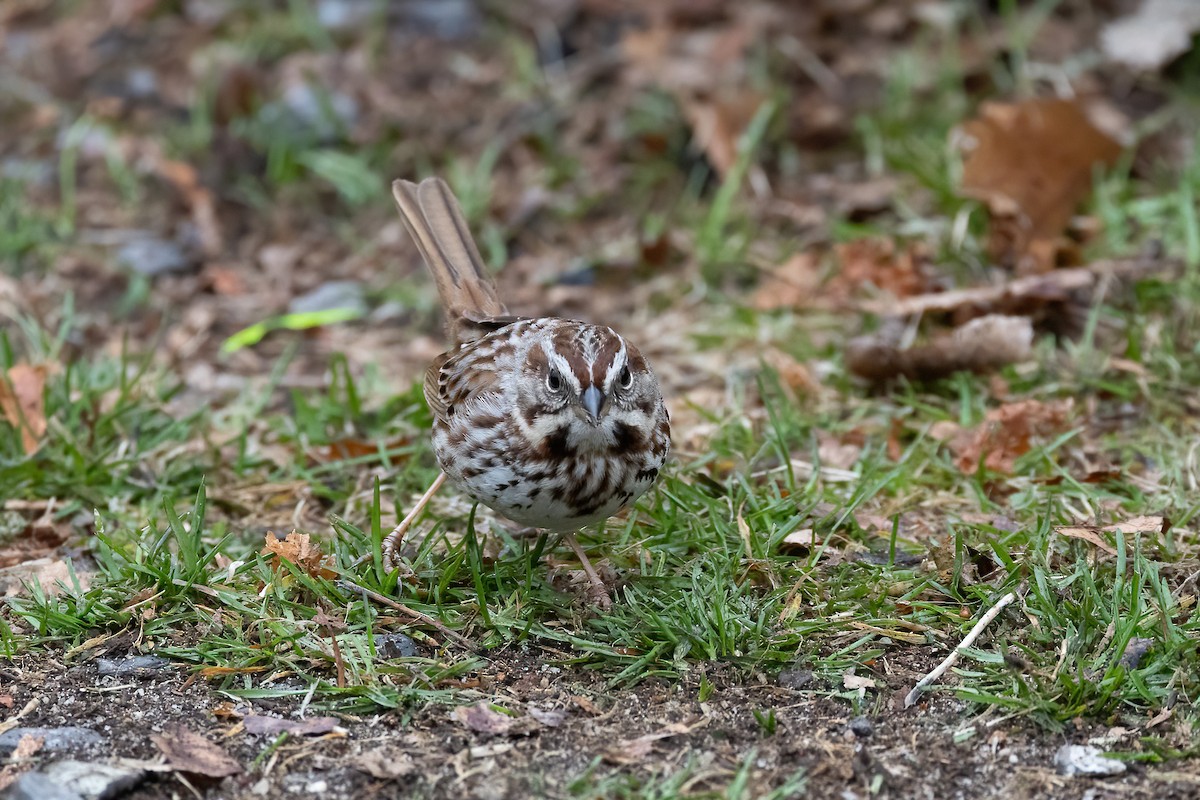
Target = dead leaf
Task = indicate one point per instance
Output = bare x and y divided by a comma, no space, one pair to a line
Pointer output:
793,284
853,682
1141,525
299,549
1031,163
634,751
271,726
982,345
1093,534
23,403
191,753
551,718
27,747
878,263
798,542
1154,35
50,575
1008,432
482,718
385,763
1089,534
796,377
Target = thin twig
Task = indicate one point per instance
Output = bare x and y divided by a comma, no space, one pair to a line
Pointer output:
948,661
403,609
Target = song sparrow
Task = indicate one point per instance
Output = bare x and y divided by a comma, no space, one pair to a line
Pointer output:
554,423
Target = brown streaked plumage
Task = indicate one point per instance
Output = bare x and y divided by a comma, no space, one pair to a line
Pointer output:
554,423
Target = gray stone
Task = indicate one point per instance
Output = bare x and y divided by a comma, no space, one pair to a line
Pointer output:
65,738
445,19
395,645
330,295
1083,759
152,256
341,16
37,786
94,781
132,667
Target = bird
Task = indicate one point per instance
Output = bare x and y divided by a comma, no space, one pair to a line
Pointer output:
554,423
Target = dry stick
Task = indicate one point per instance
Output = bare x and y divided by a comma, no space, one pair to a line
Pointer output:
403,609
391,542
949,660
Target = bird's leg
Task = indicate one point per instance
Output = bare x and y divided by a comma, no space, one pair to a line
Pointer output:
599,591
391,542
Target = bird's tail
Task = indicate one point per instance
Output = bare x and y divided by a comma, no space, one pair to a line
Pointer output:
434,218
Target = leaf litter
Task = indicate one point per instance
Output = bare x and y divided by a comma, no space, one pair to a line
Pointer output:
237,270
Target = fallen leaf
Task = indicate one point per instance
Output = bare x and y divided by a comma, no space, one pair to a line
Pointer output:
853,682
795,376
551,718
49,574
798,542
23,403
271,726
1093,534
191,753
1088,534
27,746
482,718
1007,433
1154,524
982,345
299,549
385,763
633,751
1031,163
1154,35
879,264
585,705
792,284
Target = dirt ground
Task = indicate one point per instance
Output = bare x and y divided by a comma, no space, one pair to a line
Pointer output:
654,729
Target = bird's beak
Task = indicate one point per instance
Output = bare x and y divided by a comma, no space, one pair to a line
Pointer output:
592,401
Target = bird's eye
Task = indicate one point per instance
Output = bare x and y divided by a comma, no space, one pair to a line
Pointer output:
554,381
626,378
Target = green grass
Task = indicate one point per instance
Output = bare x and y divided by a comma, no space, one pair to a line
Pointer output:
705,580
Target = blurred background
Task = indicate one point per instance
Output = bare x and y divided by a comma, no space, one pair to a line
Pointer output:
718,179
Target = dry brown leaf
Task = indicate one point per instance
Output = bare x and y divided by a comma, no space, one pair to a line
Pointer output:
878,263
851,681
1152,524
798,542
385,763
1094,534
27,747
982,345
634,751
718,123
793,284
23,403
191,753
482,718
1087,533
1007,433
795,376
1031,163
299,549
50,575
272,726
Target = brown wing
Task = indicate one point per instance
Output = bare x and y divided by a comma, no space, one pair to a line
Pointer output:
434,218
458,375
